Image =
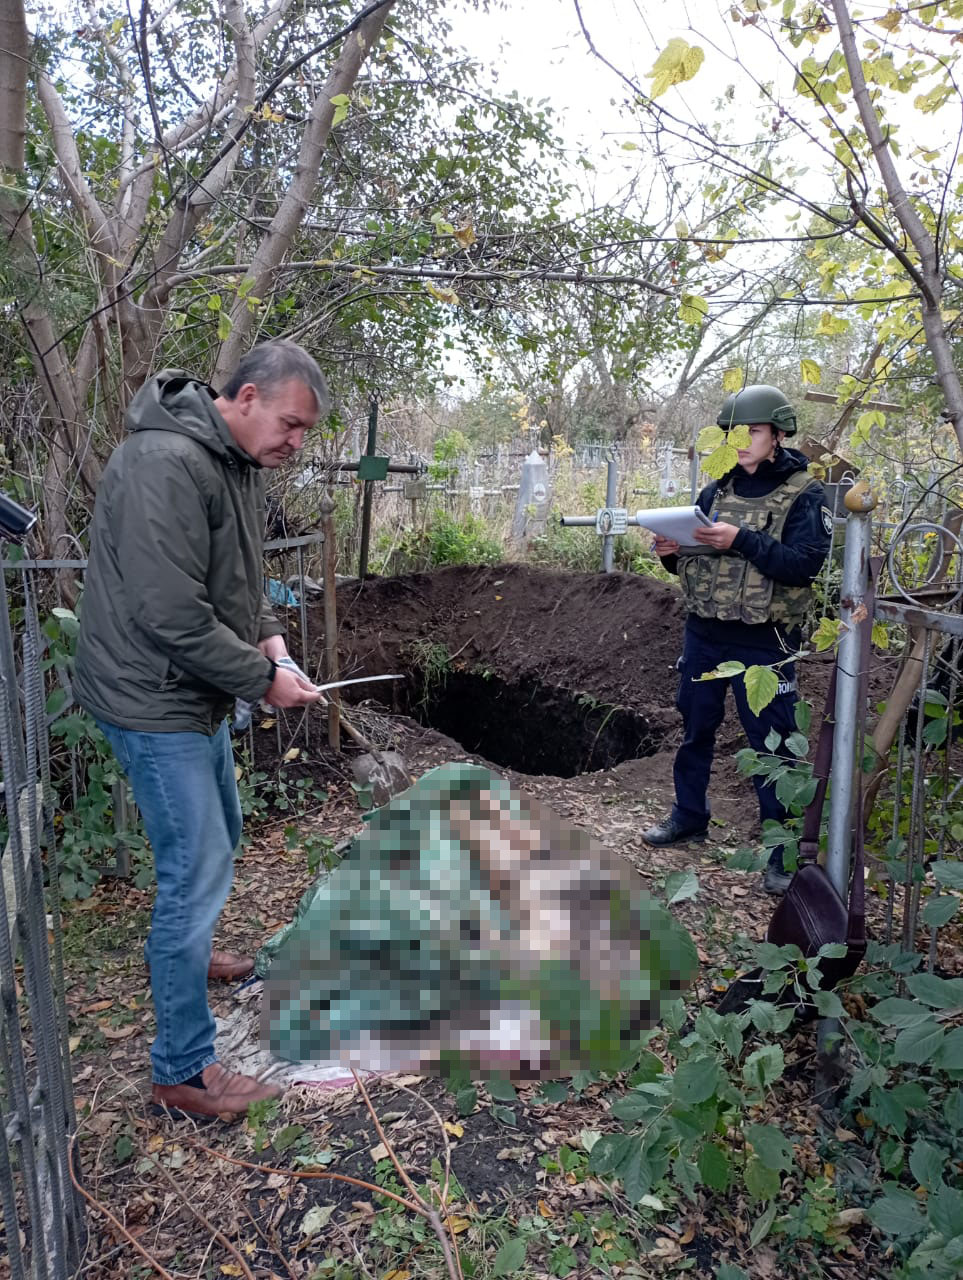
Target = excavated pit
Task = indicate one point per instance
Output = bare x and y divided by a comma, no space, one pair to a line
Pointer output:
529,726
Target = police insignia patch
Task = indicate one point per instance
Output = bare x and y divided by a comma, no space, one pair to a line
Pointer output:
827,519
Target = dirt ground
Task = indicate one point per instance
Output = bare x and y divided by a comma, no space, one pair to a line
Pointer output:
207,1203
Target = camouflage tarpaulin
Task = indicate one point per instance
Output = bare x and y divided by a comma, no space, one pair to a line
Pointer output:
466,922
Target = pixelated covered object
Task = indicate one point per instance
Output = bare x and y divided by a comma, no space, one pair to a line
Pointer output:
467,924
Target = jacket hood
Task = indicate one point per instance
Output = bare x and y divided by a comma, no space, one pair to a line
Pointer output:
174,401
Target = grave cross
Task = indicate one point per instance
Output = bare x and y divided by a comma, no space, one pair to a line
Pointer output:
610,521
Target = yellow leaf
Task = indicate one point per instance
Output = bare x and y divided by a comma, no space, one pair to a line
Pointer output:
810,372
269,723
889,21
692,310
544,1210
231,1269
465,235
457,1225
396,1275
710,438
154,1143
720,461
733,379
444,294
291,755
456,1130
238,773
740,437
679,61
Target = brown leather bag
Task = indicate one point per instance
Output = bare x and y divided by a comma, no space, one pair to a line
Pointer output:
811,913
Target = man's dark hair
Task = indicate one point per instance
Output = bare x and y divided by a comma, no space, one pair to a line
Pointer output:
270,364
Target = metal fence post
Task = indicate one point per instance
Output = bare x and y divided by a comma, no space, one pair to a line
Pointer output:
611,497
849,717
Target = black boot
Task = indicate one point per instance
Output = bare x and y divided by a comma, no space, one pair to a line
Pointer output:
672,830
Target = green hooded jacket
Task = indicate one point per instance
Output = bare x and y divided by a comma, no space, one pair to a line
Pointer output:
173,605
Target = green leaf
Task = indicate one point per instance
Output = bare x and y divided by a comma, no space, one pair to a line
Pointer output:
123,1149
500,1089
509,1257
829,1004
224,326
810,372
894,1012
762,685
56,701
635,1107
803,715
953,1109
761,1183
562,1261
945,1210
714,1167
697,1080
465,1100
724,671
681,885
797,744
726,1271
764,1067
733,379
948,874
635,1174
927,1162
950,1056
771,1146
940,909
551,1092
609,1152
505,1115
940,993
897,1213
918,1044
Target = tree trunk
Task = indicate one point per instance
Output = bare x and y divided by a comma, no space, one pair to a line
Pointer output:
290,214
927,275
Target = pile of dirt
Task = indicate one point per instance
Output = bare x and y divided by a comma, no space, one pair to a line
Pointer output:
564,679
615,636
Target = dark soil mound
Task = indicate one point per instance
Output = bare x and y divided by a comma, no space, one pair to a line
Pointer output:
614,637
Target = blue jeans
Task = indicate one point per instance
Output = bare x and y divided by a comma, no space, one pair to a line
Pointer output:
703,708
185,788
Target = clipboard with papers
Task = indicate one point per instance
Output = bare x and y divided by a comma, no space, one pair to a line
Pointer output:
677,523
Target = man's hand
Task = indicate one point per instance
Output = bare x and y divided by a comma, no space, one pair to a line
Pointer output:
289,690
664,546
718,536
274,648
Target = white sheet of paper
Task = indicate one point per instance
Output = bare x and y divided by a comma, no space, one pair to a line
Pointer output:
677,523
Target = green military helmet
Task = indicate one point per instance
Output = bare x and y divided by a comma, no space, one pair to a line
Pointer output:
758,403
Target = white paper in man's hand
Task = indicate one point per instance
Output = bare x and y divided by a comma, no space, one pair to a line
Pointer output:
677,523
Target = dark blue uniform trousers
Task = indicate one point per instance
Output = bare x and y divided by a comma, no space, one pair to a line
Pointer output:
702,704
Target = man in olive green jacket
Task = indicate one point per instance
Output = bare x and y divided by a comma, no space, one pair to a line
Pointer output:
174,628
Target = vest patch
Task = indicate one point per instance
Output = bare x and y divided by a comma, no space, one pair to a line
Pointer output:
786,686
827,519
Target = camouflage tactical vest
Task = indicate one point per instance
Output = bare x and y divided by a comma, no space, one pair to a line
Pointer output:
724,585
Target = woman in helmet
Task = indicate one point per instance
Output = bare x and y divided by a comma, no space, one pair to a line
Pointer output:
747,589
